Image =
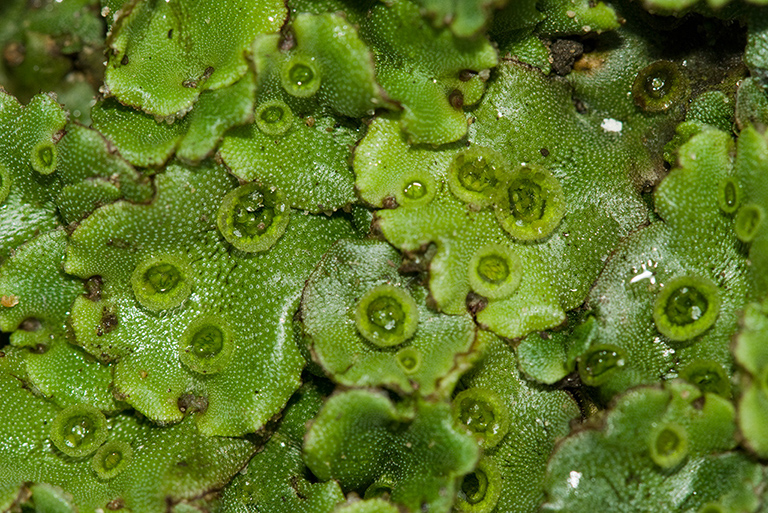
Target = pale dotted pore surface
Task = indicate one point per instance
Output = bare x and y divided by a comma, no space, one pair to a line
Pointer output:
164,75
256,295
28,207
610,465
167,463
537,418
277,479
58,369
601,203
695,239
359,438
427,362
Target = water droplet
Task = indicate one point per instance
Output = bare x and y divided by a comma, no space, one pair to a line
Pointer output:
533,203
252,218
207,342
162,277
686,307
659,86
79,430
599,364
415,190
475,175
300,76
207,345
483,412
386,316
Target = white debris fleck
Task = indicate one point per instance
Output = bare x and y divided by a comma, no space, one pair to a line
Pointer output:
647,273
612,125
574,479
643,275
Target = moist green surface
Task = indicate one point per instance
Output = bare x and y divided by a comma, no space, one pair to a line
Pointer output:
334,256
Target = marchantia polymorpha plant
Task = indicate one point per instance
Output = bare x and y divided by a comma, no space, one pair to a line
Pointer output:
405,256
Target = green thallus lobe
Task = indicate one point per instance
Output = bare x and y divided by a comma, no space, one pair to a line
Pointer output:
527,206
5,183
599,364
712,507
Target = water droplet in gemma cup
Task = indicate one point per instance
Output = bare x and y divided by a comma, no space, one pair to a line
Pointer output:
476,174
418,189
531,205
599,363
300,76
274,117
659,86
162,282
79,430
484,413
207,345
686,307
415,190
253,217
111,459
387,316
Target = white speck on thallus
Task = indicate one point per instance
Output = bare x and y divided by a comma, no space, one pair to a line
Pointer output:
612,125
